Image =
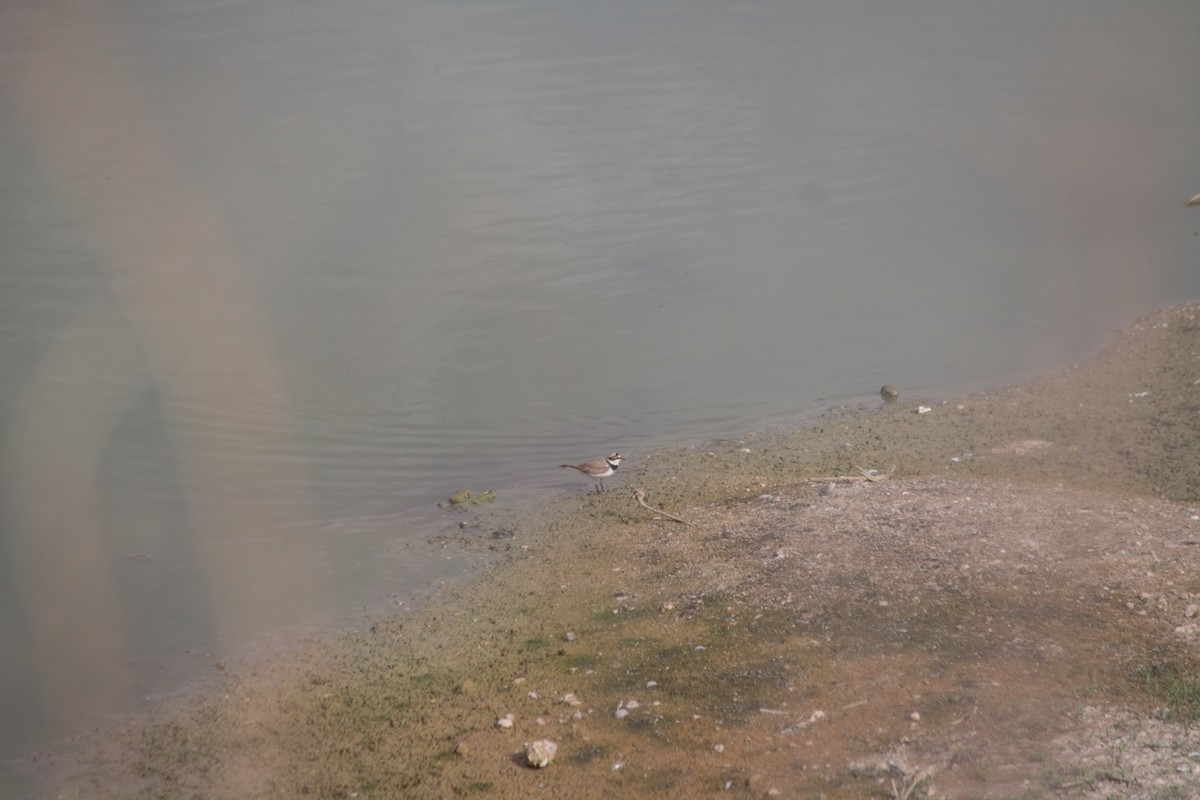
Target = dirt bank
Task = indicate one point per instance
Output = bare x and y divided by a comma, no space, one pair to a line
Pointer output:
1015,612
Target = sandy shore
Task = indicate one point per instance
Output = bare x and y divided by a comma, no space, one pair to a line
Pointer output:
1013,612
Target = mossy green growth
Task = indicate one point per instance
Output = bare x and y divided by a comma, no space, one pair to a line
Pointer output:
1175,686
465,498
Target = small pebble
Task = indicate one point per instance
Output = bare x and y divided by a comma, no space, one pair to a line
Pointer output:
540,753
569,636
719,748
506,721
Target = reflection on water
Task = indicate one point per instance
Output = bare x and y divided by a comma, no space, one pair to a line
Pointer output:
277,278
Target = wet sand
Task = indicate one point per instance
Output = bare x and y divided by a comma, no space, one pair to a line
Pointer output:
1012,612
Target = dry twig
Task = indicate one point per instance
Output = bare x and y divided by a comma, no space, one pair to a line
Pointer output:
867,476
640,494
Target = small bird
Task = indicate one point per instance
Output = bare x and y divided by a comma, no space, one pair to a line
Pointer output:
597,468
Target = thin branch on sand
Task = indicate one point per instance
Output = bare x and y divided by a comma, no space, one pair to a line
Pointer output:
640,494
867,475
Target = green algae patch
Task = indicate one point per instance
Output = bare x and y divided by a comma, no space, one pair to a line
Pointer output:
465,498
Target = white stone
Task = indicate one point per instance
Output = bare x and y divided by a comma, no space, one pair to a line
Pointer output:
540,753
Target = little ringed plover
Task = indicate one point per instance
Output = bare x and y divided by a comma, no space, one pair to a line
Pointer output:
598,468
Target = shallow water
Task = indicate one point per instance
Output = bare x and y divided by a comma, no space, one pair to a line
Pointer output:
279,278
